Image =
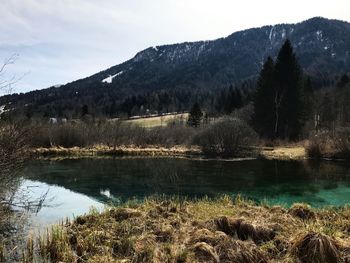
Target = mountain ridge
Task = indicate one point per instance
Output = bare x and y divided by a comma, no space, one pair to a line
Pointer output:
270,31
202,67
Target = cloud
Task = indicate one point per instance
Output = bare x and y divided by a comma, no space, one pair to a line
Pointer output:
60,41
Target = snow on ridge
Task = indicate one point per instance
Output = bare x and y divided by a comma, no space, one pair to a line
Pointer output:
155,48
2,109
283,35
111,77
270,35
319,35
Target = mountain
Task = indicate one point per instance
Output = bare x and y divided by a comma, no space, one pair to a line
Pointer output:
170,77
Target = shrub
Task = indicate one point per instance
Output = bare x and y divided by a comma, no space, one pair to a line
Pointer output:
13,145
68,135
112,134
40,136
330,145
342,144
117,133
227,137
170,135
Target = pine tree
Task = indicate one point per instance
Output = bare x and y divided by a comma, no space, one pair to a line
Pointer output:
327,111
279,104
309,102
288,94
228,100
232,99
344,80
84,110
264,116
237,99
195,116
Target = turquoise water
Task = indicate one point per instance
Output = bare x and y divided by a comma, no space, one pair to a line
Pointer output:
75,185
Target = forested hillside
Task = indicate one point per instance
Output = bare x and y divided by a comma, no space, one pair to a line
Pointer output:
173,77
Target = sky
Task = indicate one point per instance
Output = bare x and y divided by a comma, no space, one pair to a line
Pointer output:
59,41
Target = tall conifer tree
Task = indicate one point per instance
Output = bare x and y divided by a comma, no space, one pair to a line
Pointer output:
279,100
196,115
288,94
263,119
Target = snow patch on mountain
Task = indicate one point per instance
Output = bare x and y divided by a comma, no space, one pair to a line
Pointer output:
319,35
271,32
111,77
284,34
2,109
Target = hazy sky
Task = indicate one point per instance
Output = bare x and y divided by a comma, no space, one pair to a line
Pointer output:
59,41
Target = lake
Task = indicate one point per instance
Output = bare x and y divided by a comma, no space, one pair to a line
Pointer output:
73,186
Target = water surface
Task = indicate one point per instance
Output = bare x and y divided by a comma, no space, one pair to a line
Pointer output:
75,185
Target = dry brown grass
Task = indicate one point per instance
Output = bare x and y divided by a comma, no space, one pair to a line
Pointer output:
296,152
221,230
159,121
278,153
100,150
303,211
318,248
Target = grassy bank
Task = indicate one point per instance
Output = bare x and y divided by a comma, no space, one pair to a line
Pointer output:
271,153
221,230
101,150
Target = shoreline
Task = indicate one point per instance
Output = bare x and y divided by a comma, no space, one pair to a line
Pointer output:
269,153
97,151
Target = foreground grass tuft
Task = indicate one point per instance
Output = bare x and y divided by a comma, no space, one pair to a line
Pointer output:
222,230
316,247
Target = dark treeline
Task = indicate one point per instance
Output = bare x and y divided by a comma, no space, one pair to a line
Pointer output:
108,103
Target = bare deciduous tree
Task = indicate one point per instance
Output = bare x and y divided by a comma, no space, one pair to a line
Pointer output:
6,84
13,154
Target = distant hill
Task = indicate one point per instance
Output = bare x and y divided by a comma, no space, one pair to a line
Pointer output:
170,77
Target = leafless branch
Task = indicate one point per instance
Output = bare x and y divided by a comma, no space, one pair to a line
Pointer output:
6,85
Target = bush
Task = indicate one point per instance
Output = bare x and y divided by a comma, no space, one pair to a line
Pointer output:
227,137
40,136
170,135
330,145
112,134
117,133
13,148
342,144
65,135
68,135
316,147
